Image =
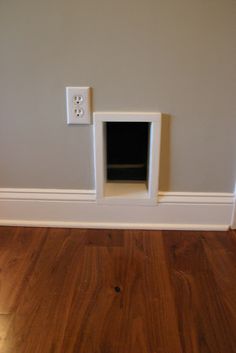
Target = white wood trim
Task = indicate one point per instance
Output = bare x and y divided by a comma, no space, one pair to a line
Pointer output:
195,197
47,194
233,226
90,195
154,155
154,158
99,151
79,208
99,225
233,223
127,116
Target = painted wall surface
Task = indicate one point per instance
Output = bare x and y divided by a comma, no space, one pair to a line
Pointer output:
177,57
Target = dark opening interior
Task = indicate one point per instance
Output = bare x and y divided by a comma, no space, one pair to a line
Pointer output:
127,150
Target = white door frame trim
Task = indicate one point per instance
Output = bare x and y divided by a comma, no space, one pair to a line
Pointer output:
233,223
154,154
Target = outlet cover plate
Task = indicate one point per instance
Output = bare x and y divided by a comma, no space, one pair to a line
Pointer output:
78,104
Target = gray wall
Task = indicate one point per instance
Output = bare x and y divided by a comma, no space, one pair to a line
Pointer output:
178,57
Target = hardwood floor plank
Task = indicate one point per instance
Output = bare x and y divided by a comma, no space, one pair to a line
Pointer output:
5,322
19,248
206,324
49,291
132,319
220,248
109,238
117,291
97,298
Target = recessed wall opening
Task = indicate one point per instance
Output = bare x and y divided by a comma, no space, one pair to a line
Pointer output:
127,147
127,151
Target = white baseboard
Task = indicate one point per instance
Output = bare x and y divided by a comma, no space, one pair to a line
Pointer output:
233,223
79,209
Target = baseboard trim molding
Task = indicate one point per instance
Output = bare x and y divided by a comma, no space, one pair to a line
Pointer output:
90,195
48,194
140,226
195,198
79,209
233,222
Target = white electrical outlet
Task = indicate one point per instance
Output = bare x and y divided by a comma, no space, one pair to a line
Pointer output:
78,101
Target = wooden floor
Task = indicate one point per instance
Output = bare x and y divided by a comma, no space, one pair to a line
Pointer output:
102,291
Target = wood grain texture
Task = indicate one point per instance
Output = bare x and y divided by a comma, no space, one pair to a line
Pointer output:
115,291
203,272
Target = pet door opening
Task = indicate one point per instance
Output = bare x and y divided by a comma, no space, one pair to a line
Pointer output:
127,151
